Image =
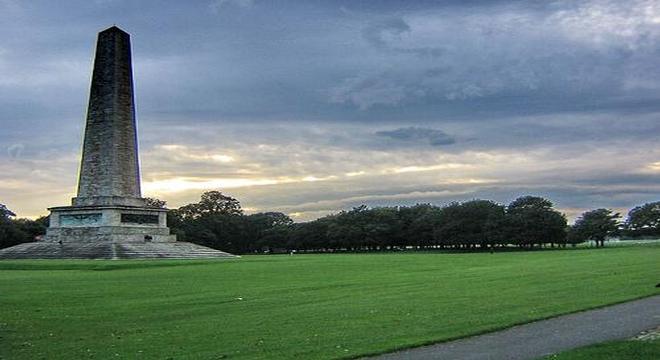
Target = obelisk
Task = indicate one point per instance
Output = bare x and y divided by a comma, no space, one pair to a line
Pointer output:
109,171
108,219
109,206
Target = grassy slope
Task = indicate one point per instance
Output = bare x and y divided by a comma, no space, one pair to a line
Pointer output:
615,350
305,306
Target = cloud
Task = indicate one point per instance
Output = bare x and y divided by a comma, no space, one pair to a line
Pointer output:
217,5
510,57
416,135
15,151
380,34
308,103
10,6
344,203
368,91
605,23
304,169
389,35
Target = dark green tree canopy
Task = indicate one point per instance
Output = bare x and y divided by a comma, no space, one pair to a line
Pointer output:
211,203
644,217
155,203
264,231
529,221
532,220
473,222
595,225
529,202
16,231
271,219
215,202
5,213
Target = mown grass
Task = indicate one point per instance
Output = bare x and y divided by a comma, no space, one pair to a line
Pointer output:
614,350
301,306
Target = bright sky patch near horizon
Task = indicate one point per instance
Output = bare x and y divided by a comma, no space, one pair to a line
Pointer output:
311,107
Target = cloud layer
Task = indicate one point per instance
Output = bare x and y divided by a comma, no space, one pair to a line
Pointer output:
310,108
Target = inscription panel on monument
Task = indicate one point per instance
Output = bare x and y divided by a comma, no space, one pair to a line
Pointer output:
80,219
139,218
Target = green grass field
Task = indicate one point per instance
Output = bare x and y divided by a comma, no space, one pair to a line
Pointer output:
301,306
614,350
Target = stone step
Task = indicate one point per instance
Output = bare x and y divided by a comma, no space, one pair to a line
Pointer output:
110,250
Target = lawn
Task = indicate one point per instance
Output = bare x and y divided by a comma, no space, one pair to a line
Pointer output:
614,350
301,306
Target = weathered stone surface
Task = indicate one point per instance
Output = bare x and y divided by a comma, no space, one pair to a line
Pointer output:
102,231
109,170
111,250
108,223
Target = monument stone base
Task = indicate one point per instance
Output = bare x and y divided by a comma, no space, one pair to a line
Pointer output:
110,232
112,250
116,223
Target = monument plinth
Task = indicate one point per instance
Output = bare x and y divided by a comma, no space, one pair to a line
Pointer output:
108,218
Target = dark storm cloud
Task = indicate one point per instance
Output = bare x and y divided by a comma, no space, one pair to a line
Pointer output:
393,61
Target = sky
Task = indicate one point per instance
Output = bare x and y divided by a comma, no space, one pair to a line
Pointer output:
313,107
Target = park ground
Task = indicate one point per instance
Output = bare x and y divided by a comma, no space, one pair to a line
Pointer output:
301,306
629,349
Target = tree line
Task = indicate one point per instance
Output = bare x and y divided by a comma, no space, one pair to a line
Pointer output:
17,231
528,222
218,221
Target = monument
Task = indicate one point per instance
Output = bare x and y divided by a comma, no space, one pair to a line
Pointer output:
108,218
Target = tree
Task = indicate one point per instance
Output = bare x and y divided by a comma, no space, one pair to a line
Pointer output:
31,228
215,221
644,220
155,203
347,230
595,225
418,223
5,213
266,230
270,219
573,236
383,228
211,203
10,234
215,202
311,235
532,220
472,223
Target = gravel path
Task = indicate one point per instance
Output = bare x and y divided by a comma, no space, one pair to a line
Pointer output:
546,337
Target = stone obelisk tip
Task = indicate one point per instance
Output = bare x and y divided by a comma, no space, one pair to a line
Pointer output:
114,28
109,170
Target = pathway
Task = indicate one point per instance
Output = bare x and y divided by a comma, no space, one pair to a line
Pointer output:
546,337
